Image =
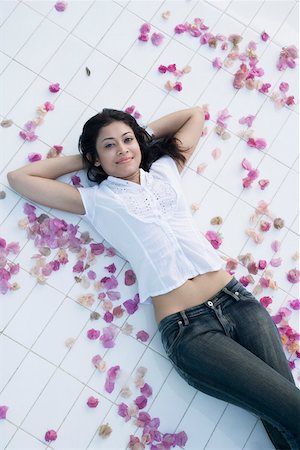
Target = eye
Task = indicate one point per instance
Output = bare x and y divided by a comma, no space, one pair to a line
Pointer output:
129,138
108,145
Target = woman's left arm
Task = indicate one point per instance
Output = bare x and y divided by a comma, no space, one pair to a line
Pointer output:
171,123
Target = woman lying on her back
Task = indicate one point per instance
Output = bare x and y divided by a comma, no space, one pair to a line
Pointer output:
220,339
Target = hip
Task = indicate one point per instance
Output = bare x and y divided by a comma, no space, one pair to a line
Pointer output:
193,292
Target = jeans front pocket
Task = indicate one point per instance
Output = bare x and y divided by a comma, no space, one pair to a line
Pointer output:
170,336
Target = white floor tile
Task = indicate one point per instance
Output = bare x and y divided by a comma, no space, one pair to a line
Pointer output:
34,373
16,79
39,48
12,354
25,441
97,21
53,404
18,28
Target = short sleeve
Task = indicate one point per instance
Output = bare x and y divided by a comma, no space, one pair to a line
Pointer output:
166,167
88,200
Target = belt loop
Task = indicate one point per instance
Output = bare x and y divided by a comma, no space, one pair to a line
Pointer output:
185,319
235,294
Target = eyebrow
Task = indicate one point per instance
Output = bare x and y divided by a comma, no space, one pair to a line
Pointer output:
114,138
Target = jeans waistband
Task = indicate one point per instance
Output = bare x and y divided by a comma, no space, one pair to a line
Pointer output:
233,288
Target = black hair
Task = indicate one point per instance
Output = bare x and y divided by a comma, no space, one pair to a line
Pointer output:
151,148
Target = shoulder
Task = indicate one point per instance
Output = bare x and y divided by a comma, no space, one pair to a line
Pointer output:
165,165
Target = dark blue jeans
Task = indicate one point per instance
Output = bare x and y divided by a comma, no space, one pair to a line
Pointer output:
230,348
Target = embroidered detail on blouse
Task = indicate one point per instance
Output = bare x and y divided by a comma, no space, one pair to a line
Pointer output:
159,196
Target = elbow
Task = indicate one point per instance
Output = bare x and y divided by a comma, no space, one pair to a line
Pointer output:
10,178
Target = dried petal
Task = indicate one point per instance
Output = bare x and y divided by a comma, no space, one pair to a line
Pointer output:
70,342
216,220
216,153
157,38
104,430
88,72
6,123
278,223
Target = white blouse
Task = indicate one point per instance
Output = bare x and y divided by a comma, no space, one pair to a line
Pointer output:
151,226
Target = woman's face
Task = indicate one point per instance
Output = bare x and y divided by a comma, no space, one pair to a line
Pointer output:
116,142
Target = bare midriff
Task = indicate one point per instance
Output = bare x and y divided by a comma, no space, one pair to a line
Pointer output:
193,292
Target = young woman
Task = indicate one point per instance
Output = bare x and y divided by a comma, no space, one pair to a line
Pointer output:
218,336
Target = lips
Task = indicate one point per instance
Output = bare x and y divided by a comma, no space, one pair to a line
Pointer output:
123,161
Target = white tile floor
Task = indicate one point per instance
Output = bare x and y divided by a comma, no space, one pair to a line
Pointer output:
44,383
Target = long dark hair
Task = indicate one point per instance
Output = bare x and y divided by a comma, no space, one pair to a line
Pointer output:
151,148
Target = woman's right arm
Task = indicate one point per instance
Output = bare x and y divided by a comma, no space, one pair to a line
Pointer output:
36,181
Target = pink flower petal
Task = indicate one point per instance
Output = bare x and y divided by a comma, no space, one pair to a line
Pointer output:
180,28
142,335
171,68
32,157
141,401
60,6
157,38
284,87
93,334
3,411
49,106
276,245
50,435
295,304
217,63
54,87
264,36
246,164
92,402
293,276
145,28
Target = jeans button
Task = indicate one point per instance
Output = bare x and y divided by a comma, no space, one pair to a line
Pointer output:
237,293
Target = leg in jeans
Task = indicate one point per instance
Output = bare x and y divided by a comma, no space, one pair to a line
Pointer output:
230,349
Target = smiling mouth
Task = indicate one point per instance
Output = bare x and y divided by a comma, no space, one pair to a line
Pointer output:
125,161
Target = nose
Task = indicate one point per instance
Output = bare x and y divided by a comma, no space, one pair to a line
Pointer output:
122,148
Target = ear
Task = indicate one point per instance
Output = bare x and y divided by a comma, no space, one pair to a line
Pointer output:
97,163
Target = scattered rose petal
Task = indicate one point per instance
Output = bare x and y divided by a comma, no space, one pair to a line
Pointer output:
162,69
157,38
141,401
284,87
293,276
263,184
180,28
171,67
295,304
49,106
217,63
32,157
60,6
264,36
201,168
50,435
3,411
143,37
145,28
216,153
54,87
130,277
178,86
93,334
266,301
214,238
142,335
92,402
276,245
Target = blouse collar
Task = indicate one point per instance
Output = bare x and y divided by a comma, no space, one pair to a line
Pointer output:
120,181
